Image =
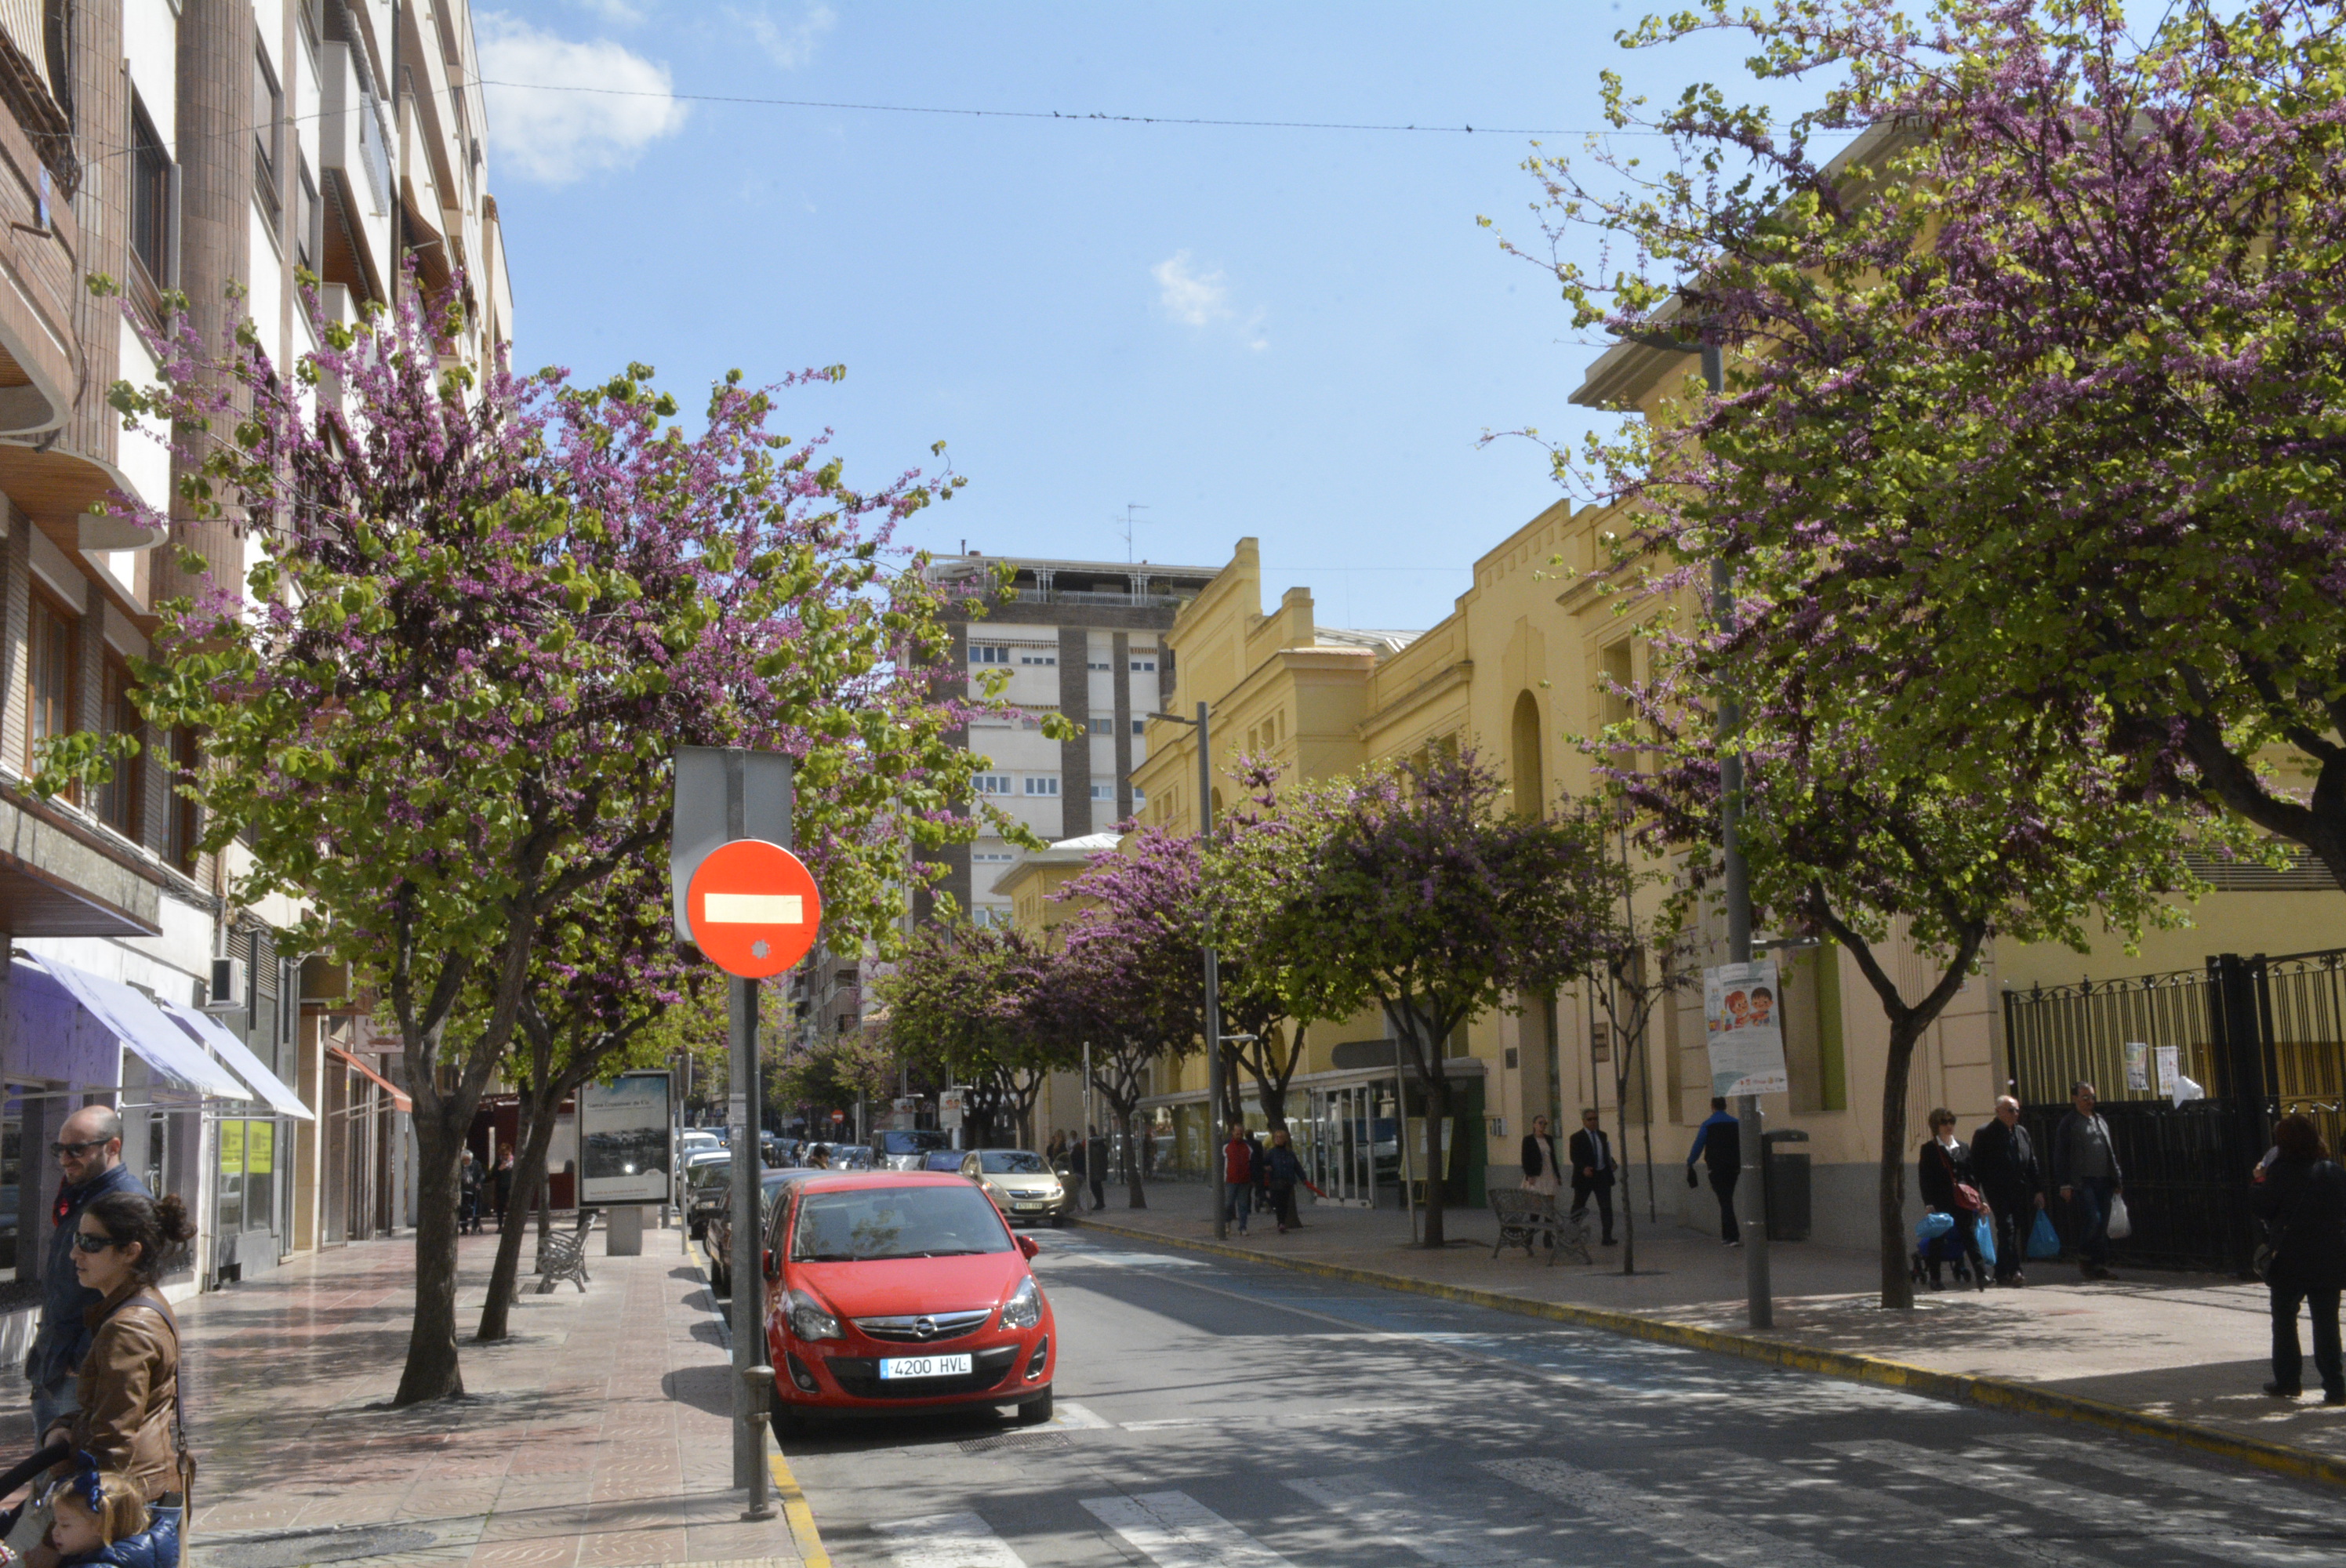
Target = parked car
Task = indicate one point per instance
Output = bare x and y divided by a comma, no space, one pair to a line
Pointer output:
906,1148
705,1183
1023,1184
901,1291
720,1240
944,1160
842,1156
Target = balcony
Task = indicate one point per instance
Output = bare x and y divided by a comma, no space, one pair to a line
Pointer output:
354,160
1106,598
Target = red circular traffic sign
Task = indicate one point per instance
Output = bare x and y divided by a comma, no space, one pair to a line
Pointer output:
753,908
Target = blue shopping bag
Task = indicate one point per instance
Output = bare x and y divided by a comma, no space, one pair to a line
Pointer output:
1931,1227
1984,1228
2044,1241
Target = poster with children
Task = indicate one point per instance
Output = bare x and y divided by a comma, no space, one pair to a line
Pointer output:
1745,1028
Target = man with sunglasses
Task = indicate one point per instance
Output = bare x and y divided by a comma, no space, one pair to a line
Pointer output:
89,1151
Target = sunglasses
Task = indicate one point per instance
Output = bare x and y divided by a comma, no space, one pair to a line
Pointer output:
80,1149
88,1242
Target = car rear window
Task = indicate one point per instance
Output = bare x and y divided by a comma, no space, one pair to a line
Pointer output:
911,1140
869,1223
1012,1162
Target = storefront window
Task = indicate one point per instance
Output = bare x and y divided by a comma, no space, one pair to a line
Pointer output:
261,1174
232,1178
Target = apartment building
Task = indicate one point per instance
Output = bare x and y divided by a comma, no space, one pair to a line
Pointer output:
215,148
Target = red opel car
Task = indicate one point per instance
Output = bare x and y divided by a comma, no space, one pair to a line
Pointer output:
900,1291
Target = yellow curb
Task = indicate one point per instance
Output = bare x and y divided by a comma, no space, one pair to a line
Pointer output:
795,1510
1996,1393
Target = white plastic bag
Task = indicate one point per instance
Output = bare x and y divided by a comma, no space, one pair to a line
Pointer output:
2120,1227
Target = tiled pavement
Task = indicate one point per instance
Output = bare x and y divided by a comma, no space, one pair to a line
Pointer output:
596,1436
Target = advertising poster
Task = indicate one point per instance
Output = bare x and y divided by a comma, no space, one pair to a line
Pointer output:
623,1140
2138,1068
1744,1025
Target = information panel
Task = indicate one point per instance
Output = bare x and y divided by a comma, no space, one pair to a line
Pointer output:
625,1150
1745,1029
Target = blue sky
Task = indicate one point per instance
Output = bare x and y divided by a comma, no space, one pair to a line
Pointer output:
1296,334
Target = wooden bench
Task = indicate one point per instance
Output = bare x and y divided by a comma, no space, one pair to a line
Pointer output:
563,1256
1529,1220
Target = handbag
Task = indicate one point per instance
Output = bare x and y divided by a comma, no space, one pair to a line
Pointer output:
1968,1199
2120,1226
2044,1241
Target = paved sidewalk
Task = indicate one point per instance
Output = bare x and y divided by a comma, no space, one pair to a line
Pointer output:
599,1434
2190,1348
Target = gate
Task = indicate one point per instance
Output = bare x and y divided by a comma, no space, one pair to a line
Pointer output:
2262,1036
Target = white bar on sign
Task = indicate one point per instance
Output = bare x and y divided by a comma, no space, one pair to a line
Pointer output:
753,909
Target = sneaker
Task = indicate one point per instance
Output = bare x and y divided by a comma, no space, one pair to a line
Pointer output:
1736,1243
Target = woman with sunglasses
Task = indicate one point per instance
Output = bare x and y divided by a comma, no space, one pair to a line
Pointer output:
128,1382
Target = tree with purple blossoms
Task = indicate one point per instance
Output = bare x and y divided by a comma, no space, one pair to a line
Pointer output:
957,1003
482,615
1418,888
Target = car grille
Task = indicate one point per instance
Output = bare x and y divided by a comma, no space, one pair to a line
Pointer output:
859,1376
942,1326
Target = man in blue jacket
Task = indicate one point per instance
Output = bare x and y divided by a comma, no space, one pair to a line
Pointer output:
89,1148
1719,1144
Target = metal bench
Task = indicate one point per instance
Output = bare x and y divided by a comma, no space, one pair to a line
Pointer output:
563,1256
1529,1220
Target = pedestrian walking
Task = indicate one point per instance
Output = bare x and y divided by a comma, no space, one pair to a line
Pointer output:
89,1152
1280,1172
503,1188
1592,1171
1719,1144
2300,1192
1095,1161
1262,1173
1076,1174
2085,1169
1543,1172
1057,1150
1951,1186
2013,1182
127,1390
468,1194
1237,1178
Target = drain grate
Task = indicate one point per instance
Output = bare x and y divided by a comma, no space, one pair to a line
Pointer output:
1015,1443
317,1546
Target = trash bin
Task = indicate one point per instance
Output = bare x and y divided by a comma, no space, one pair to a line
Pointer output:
1784,1174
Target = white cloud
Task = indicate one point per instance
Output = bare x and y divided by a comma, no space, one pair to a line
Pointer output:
558,137
1202,298
790,46
620,11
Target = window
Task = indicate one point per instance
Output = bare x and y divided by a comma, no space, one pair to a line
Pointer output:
120,799
1042,786
1148,666
985,915
848,1023
992,857
268,116
990,783
1617,667
1139,800
847,977
1140,727
1103,791
1038,658
988,653
1100,664
305,216
185,817
49,677
150,197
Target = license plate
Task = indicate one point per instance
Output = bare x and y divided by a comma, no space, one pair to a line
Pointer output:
1026,1207
894,1366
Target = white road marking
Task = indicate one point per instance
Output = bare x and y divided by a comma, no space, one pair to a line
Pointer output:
2082,1505
948,1540
1711,1536
1285,1417
2269,1497
1174,1530
1754,1477
1396,1518
1071,1417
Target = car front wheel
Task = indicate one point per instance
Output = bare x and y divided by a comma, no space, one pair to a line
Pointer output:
1035,1412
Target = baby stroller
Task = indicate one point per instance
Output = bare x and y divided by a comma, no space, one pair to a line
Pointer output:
1936,1241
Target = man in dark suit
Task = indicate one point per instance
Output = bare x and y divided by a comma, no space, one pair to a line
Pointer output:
1593,1172
2012,1181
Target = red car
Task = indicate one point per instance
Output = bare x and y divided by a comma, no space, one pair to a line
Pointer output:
899,1291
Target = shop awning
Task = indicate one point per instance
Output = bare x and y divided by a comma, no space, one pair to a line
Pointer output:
398,1096
209,1031
140,1026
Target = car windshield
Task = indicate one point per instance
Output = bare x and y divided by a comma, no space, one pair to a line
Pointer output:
944,1160
911,1140
1012,1162
716,1173
872,1223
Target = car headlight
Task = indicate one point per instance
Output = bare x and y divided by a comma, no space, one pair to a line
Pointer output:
1025,1307
806,1318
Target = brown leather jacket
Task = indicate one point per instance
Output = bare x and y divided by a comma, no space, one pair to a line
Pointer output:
128,1385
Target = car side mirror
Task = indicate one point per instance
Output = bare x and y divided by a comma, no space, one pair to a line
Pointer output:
773,1267
1029,1245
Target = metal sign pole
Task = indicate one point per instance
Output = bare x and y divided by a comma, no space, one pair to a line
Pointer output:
749,1244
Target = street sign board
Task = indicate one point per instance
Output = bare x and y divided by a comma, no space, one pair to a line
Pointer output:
753,908
624,1138
1746,1029
722,795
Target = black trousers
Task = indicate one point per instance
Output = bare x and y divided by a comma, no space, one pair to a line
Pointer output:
2015,1217
2288,1361
1723,1184
1282,1205
1603,1193
1099,1198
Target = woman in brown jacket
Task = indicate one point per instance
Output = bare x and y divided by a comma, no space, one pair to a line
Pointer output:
128,1383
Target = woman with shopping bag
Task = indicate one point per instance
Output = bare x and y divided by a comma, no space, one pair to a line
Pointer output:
2300,1194
1950,1186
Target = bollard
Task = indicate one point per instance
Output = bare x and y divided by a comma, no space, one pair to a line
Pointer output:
758,1392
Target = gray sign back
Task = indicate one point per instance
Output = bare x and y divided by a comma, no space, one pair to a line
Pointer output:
722,795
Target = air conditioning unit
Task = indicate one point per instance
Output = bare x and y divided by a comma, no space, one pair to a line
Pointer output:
230,992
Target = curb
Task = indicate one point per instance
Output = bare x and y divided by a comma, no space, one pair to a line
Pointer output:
796,1511
1961,1388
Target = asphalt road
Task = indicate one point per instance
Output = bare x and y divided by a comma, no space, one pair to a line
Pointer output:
1223,1415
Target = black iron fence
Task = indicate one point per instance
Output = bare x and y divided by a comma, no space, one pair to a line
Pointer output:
2260,1036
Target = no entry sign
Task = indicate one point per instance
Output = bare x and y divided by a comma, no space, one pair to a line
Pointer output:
754,908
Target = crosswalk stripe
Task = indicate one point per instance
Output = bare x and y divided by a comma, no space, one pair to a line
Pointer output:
948,1540
2080,1505
1174,1530
1756,1477
2269,1496
1397,1518
1703,1534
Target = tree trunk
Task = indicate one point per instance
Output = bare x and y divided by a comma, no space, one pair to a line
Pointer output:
1897,1285
1437,1106
433,1371
529,1178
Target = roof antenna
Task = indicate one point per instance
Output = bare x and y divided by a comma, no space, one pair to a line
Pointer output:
1129,508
